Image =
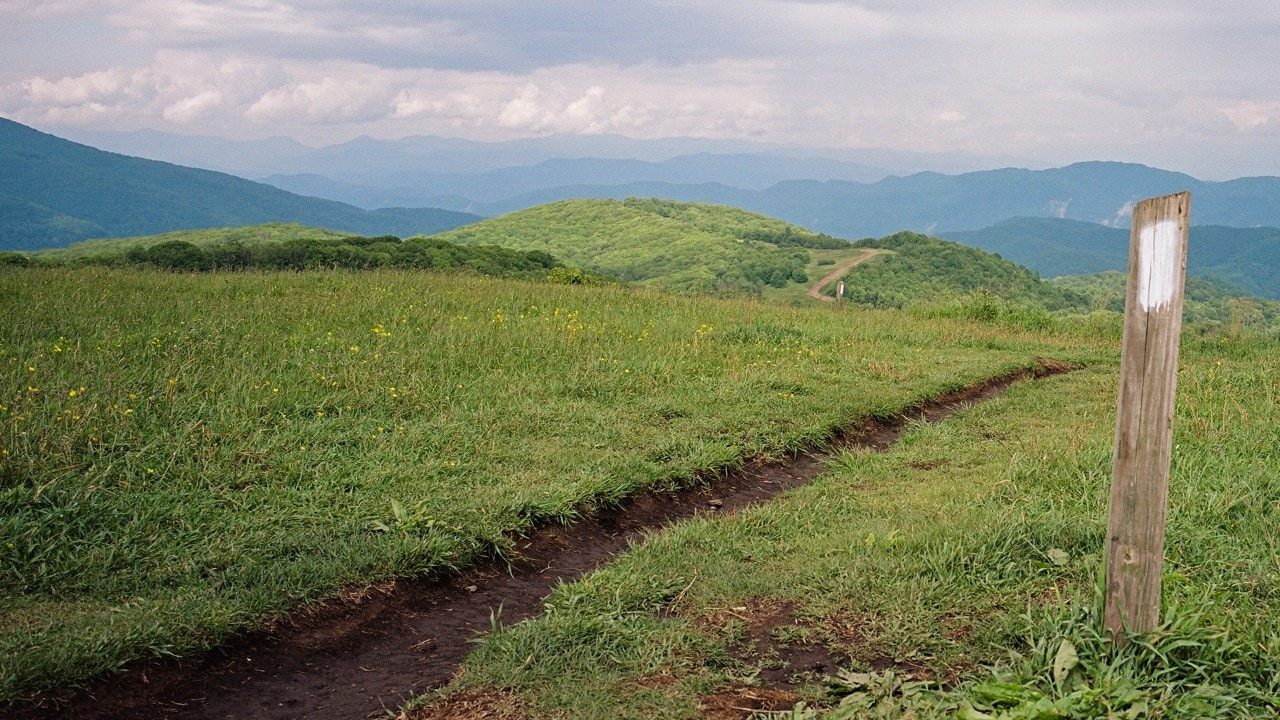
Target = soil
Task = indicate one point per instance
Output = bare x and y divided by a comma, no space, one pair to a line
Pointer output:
368,651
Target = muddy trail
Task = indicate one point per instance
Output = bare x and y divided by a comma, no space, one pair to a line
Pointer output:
365,653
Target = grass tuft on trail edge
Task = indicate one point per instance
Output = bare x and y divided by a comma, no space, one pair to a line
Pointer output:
955,575
183,457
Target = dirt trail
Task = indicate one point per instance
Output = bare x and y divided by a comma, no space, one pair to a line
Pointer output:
815,291
374,648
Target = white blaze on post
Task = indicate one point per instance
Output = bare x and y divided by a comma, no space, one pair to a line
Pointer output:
1144,414
1160,263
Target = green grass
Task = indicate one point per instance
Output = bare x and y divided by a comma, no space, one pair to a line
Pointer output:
966,557
926,269
821,262
182,456
682,247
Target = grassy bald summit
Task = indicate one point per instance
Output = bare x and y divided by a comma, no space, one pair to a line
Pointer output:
686,247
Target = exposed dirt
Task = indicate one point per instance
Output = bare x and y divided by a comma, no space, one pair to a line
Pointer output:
783,664
368,651
744,703
469,706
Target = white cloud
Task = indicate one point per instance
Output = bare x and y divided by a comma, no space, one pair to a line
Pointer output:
328,99
1251,115
1050,78
103,86
177,87
639,101
192,108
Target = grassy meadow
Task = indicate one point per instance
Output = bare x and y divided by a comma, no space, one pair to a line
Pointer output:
184,455
954,576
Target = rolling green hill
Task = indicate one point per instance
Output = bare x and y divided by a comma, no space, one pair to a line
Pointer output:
685,247
926,269
54,192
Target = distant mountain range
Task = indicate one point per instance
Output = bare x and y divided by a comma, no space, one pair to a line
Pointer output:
54,192
378,163
1095,192
847,193
1060,221
1247,259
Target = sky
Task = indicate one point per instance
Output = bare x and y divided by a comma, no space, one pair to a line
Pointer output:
1185,85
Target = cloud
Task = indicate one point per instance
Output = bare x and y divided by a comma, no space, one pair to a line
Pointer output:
1055,79
1250,116
176,87
190,109
351,96
692,100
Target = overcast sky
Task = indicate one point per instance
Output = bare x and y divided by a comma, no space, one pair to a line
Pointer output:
1187,85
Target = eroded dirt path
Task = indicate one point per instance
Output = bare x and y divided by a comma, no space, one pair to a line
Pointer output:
369,651
815,291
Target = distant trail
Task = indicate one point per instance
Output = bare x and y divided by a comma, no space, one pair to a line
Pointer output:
815,291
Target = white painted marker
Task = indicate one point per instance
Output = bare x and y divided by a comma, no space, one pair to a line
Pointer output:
1158,264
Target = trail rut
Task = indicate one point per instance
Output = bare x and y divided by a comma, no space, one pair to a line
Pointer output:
368,651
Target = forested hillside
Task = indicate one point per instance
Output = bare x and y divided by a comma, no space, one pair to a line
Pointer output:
1207,305
54,192
926,269
1245,258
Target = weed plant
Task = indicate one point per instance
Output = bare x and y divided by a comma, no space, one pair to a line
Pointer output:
182,456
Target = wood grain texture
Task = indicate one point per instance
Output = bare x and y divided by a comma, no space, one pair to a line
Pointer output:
1144,414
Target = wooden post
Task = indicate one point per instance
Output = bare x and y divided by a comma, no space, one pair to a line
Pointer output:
840,295
1144,414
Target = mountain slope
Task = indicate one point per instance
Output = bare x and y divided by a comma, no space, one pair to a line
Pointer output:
928,269
1097,192
424,185
677,246
55,191
1206,304
1247,259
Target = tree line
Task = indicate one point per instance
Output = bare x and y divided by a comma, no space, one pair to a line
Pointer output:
355,253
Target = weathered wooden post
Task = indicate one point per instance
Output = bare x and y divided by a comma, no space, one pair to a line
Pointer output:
1144,414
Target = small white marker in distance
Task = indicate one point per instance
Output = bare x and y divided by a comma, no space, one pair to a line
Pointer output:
1158,264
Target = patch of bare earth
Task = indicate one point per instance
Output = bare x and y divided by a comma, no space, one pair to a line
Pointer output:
744,703
370,650
468,706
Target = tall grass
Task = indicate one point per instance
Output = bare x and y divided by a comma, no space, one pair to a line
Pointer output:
182,454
